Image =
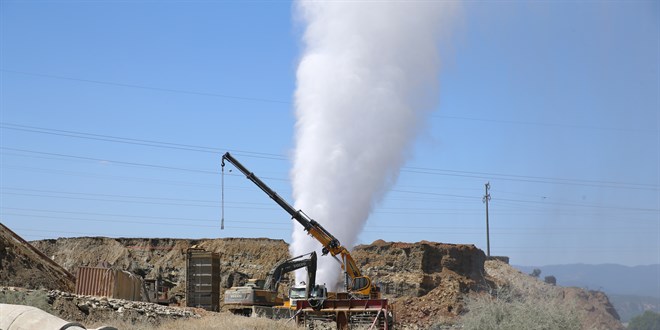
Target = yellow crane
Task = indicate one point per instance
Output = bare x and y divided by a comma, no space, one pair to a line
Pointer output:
356,283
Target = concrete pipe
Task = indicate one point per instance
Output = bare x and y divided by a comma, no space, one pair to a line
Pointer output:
19,317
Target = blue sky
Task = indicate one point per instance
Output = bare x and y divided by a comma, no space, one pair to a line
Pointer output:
115,114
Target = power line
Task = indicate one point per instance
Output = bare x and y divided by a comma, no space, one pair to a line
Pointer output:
267,100
141,142
266,221
583,205
109,161
270,178
167,202
402,211
158,89
517,122
110,177
110,195
112,161
478,197
287,227
533,179
418,170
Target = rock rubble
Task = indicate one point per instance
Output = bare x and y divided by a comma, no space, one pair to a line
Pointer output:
88,303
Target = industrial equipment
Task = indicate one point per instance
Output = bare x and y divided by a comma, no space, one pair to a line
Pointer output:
258,293
356,284
202,279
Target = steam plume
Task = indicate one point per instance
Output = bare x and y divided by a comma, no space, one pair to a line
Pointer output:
366,81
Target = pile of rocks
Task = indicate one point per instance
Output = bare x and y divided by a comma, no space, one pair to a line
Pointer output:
86,304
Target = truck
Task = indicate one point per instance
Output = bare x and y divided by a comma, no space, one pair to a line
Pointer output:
259,297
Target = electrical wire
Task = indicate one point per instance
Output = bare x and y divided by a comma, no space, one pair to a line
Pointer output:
267,100
286,227
418,170
152,88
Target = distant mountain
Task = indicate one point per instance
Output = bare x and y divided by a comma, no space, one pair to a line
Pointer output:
632,290
630,306
609,278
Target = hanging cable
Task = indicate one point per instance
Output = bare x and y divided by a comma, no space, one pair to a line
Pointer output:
222,197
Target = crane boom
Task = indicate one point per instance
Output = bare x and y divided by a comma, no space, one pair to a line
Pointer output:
360,284
298,215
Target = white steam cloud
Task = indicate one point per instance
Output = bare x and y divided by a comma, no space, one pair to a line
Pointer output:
367,79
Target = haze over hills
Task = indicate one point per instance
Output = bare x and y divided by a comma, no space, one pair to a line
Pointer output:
629,306
610,278
632,290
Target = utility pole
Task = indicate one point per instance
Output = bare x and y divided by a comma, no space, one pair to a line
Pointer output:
485,200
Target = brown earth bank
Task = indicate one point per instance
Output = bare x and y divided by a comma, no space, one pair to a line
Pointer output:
22,265
240,258
594,309
426,282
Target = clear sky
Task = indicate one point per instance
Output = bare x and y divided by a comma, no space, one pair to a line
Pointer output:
115,115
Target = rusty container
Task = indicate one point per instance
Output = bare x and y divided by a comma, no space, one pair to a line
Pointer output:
203,279
107,282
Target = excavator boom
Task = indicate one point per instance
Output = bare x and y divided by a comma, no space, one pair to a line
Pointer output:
275,275
242,299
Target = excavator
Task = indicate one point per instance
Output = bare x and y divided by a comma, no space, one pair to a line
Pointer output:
356,284
244,300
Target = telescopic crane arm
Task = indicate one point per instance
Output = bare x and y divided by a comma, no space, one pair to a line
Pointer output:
360,284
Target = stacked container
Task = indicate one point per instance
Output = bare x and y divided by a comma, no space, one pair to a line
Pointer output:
203,279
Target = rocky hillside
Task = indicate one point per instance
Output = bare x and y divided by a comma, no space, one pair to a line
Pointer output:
594,308
22,265
415,269
240,258
426,281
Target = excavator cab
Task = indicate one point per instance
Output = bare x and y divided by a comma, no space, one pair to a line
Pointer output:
255,283
299,292
360,284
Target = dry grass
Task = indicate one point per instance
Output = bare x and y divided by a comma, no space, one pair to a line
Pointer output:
35,298
511,310
207,322
522,302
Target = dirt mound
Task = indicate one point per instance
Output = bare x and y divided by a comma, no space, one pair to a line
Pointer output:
415,269
23,265
426,280
442,305
149,257
596,311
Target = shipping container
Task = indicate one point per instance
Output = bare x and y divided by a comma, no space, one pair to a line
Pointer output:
203,279
107,282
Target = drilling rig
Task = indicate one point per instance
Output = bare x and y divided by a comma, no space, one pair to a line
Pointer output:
363,299
355,283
